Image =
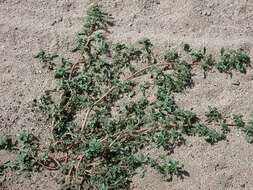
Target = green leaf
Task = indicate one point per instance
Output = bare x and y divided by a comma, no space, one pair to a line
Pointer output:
187,48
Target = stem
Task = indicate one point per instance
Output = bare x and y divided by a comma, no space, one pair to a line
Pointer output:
86,118
146,68
55,160
97,102
47,167
69,175
78,164
77,62
73,67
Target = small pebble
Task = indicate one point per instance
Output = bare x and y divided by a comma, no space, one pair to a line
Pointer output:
115,5
56,21
242,185
236,82
211,5
207,13
68,6
53,23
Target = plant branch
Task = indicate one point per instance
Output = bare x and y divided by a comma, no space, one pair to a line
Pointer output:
112,88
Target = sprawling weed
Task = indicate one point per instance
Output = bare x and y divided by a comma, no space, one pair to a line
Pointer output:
101,152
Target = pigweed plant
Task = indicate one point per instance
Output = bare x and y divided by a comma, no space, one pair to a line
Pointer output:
121,114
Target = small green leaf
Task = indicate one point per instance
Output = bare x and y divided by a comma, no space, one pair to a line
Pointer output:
187,48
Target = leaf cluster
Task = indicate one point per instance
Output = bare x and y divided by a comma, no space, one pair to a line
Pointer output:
6,142
233,60
247,128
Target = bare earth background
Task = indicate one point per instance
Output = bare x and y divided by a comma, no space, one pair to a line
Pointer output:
27,25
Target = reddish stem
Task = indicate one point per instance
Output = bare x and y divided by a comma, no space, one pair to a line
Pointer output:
47,167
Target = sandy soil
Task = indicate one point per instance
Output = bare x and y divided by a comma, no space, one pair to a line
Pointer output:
26,26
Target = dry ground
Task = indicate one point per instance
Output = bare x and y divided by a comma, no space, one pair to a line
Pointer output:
27,25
